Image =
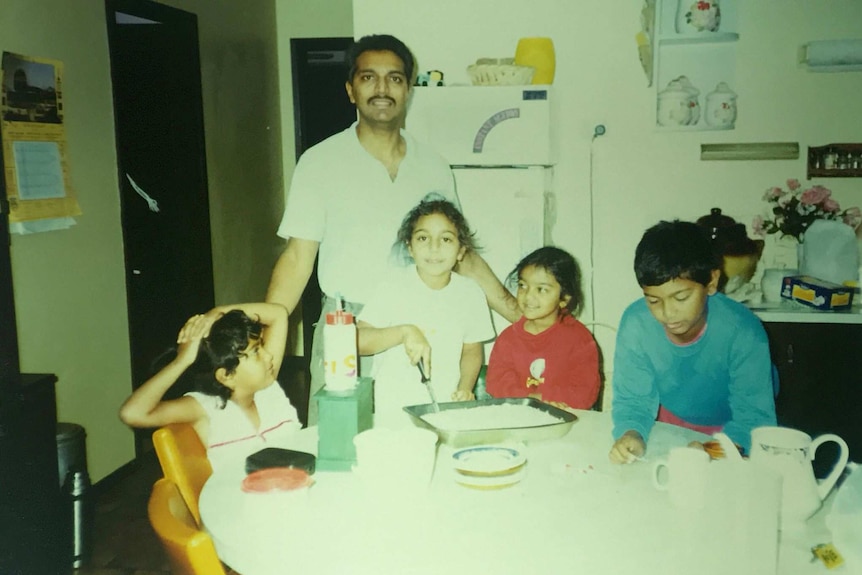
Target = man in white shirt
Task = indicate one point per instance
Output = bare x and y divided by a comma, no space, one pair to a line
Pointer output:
350,192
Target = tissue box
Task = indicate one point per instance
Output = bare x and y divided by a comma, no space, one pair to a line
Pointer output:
816,293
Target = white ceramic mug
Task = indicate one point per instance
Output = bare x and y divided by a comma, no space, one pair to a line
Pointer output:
686,470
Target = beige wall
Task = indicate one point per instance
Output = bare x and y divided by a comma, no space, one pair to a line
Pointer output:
70,285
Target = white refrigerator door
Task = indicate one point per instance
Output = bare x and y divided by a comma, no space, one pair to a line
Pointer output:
505,207
485,125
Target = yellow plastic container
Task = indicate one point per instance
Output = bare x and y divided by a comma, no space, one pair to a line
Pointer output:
538,53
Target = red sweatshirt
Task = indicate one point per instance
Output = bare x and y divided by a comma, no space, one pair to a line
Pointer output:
564,360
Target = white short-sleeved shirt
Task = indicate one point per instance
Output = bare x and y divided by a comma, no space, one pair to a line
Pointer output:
449,318
343,198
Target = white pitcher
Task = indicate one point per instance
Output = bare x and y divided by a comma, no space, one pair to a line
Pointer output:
790,452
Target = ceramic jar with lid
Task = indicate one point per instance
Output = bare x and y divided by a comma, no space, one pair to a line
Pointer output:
677,104
721,107
693,94
695,16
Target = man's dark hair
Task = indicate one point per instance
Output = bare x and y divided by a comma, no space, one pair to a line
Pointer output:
671,250
380,43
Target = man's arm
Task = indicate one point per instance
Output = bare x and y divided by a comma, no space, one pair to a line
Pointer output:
499,299
291,273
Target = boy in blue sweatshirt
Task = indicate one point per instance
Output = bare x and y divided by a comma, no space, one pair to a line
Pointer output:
685,353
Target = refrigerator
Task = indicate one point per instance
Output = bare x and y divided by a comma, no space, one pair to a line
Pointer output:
498,141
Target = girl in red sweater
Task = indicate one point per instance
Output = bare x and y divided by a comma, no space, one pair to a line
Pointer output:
547,354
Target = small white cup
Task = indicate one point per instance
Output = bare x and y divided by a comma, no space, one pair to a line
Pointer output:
686,471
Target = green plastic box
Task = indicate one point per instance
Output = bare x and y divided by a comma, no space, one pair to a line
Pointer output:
341,416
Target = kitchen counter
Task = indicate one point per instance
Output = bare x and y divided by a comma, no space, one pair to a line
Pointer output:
792,312
820,384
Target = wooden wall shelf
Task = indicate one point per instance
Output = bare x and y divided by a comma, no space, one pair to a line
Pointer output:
835,161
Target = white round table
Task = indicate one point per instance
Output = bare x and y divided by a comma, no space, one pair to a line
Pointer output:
574,511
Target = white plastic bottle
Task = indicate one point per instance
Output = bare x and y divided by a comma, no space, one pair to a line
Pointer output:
339,350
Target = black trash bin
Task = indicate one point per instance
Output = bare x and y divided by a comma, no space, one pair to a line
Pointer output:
77,496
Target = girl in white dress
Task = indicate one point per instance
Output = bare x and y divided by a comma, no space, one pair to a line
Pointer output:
426,313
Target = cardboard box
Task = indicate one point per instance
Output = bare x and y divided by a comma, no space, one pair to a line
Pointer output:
817,293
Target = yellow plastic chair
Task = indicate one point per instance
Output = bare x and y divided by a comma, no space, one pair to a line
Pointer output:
190,550
184,461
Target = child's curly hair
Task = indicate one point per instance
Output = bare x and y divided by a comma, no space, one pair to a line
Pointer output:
230,335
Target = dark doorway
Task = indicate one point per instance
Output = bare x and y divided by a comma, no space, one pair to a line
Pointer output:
155,69
320,109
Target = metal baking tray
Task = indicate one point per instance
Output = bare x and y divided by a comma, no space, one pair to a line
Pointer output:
466,438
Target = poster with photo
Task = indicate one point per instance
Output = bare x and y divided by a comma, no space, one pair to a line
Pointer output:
34,141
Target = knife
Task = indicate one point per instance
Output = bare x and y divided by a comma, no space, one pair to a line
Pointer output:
427,381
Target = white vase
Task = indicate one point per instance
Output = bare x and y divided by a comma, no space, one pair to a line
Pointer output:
800,260
771,282
781,252
830,252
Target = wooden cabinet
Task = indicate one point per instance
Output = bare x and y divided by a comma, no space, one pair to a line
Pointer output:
705,57
821,384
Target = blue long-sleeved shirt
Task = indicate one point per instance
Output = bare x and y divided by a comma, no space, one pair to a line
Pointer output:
724,378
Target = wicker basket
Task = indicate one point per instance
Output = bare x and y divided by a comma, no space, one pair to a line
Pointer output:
500,74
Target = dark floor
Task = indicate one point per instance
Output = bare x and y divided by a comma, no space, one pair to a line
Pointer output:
123,541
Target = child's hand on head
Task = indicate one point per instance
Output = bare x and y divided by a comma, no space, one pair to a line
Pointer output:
628,448
196,327
189,339
416,347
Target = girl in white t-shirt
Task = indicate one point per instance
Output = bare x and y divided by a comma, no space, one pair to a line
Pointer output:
426,313
239,408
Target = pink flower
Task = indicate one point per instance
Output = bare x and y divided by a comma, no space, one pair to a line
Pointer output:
791,213
815,195
772,194
831,206
757,226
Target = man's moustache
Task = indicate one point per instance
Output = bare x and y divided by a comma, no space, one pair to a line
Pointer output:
372,100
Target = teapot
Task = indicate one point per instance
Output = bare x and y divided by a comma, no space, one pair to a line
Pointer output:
790,453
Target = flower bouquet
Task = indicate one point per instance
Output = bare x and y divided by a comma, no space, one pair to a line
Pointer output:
794,210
